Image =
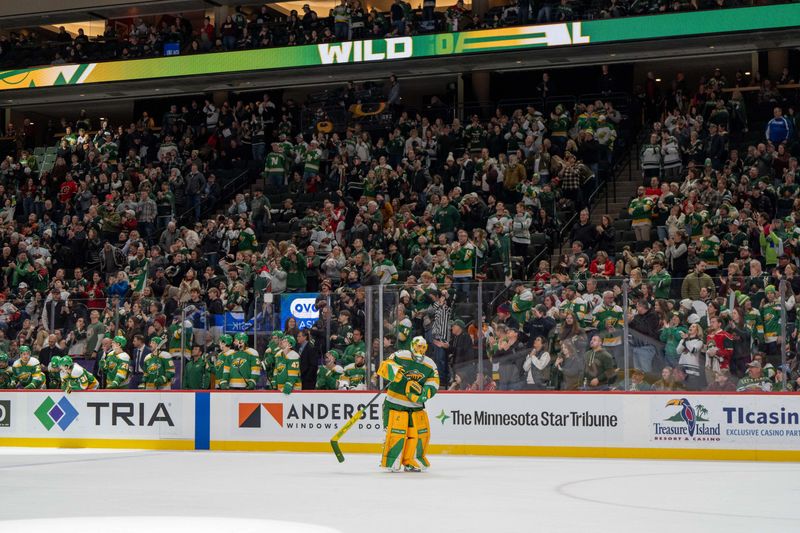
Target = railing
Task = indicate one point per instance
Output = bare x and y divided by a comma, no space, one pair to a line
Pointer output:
557,332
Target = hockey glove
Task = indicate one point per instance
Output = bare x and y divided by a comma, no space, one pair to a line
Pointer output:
287,388
391,371
413,391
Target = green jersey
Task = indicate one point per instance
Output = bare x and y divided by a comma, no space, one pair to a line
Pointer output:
7,380
771,313
242,369
222,361
580,309
350,352
559,126
275,164
695,221
396,146
159,371
196,374
475,136
116,367
328,378
53,377
399,395
761,383
402,330
312,158
521,305
463,259
608,322
268,358
353,377
640,209
295,271
109,151
287,372
661,282
446,219
344,337
671,336
180,338
708,250
78,379
755,325
28,375
736,240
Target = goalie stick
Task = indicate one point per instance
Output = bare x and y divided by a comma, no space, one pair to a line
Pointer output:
339,434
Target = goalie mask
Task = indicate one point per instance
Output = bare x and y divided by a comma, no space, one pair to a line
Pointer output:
418,348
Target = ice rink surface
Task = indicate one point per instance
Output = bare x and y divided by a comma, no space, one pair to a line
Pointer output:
121,491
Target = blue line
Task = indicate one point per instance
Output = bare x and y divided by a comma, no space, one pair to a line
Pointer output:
202,420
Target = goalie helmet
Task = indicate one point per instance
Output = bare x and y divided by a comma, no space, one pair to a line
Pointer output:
418,347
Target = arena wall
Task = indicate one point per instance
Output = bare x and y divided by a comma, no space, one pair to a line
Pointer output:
595,424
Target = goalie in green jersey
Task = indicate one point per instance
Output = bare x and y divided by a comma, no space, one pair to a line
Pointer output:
414,380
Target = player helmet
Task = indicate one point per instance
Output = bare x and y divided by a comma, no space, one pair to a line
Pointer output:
157,340
55,361
291,340
241,337
66,361
23,349
226,339
418,347
122,341
3,357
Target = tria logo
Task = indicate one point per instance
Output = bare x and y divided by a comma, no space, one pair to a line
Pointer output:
50,413
250,414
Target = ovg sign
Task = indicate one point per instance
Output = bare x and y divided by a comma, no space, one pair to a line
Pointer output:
300,306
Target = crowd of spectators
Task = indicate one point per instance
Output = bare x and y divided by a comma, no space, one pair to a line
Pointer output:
706,254
264,27
128,230
424,210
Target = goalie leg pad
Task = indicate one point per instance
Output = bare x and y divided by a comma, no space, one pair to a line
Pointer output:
423,432
410,448
396,436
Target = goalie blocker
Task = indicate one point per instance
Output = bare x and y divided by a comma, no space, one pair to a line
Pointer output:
413,380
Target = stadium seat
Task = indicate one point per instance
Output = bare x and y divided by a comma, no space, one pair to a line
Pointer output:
622,224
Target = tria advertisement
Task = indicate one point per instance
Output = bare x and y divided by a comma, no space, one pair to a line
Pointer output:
738,426
96,417
589,33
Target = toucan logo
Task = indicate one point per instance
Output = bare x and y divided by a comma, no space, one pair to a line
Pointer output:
690,422
250,414
688,414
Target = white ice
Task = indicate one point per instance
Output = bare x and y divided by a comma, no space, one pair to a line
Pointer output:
458,494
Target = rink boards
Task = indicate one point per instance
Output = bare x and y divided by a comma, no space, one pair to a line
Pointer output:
619,425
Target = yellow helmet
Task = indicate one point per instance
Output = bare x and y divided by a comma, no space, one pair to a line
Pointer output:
419,346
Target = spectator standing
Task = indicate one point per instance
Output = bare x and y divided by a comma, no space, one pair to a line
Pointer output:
779,128
640,209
